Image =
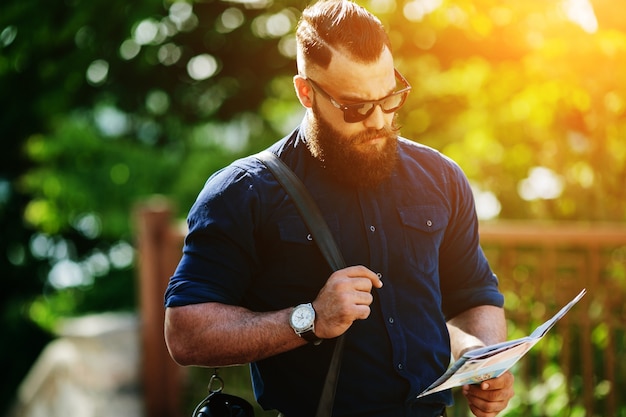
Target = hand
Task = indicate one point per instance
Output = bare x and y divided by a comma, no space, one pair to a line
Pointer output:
345,297
490,397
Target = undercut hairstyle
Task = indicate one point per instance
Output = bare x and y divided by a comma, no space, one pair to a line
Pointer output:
339,26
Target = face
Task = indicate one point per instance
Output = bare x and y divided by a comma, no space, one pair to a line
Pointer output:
363,159
357,154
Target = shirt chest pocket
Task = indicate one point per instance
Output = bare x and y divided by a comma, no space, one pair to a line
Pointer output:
423,231
293,230
297,249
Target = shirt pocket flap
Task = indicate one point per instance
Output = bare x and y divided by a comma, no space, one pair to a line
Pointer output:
293,230
423,218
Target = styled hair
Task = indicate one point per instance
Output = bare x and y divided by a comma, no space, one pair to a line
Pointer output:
339,25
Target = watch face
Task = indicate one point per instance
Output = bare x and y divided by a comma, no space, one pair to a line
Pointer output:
302,317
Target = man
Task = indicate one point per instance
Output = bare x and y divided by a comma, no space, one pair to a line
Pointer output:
418,289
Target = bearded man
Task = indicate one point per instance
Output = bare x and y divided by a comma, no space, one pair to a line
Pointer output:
418,289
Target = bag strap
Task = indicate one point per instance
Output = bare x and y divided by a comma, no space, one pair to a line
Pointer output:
323,237
306,207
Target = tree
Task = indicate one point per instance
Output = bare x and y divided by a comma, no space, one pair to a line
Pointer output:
105,102
525,95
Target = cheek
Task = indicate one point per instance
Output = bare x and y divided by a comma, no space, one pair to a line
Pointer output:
334,117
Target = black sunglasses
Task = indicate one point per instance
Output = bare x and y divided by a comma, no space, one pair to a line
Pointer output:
357,112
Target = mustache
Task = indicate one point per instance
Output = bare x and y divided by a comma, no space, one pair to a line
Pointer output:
387,131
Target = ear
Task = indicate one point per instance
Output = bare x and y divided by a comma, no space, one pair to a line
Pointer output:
303,91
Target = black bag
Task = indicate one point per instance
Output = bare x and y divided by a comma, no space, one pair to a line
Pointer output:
219,404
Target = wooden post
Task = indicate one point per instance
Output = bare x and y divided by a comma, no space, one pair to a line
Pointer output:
159,250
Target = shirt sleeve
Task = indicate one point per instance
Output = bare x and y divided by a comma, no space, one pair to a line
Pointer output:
219,252
466,278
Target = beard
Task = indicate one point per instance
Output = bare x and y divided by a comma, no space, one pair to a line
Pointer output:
347,158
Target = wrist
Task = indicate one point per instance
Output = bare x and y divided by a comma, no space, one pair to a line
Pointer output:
302,321
470,348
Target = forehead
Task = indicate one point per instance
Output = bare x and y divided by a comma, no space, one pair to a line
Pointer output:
347,79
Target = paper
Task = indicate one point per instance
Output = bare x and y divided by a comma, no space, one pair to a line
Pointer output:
492,361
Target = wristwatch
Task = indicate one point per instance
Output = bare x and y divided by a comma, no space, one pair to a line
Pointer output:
302,321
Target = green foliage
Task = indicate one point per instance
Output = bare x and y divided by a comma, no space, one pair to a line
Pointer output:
505,88
79,173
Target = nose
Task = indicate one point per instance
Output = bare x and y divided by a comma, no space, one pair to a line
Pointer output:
376,120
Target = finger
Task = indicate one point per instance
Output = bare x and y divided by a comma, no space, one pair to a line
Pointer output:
363,298
490,397
503,381
359,271
482,407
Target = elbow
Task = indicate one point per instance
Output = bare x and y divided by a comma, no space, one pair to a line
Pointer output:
179,338
176,348
178,353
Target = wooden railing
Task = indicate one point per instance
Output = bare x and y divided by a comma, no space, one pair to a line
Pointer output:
541,266
574,371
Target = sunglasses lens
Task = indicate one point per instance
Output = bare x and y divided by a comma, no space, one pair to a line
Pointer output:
359,112
393,103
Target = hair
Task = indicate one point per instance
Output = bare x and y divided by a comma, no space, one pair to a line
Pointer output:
330,26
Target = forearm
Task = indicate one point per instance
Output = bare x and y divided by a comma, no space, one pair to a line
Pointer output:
478,326
213,334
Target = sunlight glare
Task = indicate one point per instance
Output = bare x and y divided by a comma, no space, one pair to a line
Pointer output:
382,6
253,4
146,32
229,20
67,274
88,225
541,184
98,72
488,206
111,121
129,49
121,255
202,67
416,10
169,54
581,12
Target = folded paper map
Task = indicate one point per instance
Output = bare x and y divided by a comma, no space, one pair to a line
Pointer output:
492,361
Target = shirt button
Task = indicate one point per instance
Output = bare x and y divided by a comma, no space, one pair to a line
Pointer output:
372,228
429,223
379,275
309,237
400,367
390,320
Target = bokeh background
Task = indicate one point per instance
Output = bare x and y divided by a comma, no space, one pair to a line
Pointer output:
107,103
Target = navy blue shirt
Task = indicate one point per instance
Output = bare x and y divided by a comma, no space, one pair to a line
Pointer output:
248,246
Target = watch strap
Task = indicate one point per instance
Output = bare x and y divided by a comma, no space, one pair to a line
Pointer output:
310,337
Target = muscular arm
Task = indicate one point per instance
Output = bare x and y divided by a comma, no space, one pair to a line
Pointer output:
214,334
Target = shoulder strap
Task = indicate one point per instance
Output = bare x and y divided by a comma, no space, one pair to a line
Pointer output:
322,236
306,207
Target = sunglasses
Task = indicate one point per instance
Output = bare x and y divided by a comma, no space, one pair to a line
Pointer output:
357,112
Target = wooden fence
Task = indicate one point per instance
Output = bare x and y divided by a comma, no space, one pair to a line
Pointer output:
574,371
